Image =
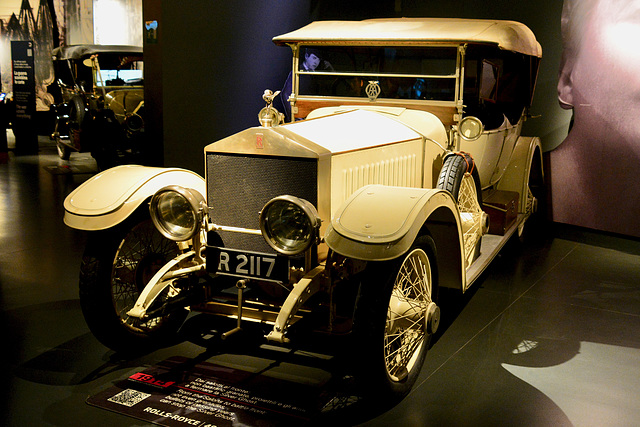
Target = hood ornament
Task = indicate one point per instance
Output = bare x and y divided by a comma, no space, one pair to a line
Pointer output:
269,116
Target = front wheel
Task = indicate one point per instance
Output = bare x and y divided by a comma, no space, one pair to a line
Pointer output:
116,266
64,152
396,315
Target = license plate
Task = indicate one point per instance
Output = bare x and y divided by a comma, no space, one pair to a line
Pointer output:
252,265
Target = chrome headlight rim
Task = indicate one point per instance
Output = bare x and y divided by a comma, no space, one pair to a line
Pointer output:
312,225
470,128
195,203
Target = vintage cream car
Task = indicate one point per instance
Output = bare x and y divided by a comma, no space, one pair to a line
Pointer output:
347,219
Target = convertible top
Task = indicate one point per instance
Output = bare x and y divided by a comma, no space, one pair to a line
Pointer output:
508,35
86,50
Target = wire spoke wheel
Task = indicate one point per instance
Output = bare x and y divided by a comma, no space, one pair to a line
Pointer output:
116,266
406,316
459,176
140,255
396,315
471,215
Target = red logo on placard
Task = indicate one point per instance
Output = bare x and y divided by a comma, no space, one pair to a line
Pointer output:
259,144
149,379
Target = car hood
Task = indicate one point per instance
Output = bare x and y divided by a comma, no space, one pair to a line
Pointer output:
351,130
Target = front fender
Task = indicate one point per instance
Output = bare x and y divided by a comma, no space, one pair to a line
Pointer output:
379,222
111,196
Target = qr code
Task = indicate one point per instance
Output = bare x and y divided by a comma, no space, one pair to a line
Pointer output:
128,397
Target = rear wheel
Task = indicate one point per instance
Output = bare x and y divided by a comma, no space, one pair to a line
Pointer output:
396,316
116,266
536,199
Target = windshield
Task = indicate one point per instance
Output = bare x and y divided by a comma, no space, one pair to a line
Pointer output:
119,77
120,70
402,72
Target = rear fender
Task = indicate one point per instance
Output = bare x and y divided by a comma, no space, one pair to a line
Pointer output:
111,196
516,176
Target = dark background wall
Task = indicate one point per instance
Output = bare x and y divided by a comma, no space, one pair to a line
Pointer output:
205,76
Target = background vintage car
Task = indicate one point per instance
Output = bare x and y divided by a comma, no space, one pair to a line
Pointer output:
345,221
102,102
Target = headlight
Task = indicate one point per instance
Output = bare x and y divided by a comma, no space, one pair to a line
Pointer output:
470,128
289,224
177,212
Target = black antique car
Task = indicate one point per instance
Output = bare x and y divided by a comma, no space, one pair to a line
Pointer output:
102,102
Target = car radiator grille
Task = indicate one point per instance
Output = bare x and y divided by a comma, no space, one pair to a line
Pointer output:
238,186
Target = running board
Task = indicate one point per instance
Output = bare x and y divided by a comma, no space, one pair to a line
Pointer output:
491,245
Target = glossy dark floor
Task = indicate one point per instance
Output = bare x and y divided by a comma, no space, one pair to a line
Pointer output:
549,335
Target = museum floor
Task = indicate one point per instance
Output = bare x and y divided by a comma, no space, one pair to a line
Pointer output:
549,335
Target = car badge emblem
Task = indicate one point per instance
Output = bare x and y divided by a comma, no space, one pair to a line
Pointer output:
373,90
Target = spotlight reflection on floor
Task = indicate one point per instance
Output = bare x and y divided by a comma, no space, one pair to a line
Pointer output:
607,376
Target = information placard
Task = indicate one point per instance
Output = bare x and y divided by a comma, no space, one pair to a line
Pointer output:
174,393
24,97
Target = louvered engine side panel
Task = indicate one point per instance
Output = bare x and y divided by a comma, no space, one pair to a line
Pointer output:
401,171
238,186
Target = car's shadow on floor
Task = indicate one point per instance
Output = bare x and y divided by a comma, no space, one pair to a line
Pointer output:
319,361
338,397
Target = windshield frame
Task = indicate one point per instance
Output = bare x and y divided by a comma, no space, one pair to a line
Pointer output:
456,102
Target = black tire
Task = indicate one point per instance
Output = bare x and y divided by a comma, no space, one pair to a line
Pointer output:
116,265
452,173
538,192
454,170
70,125
383,289
77,110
